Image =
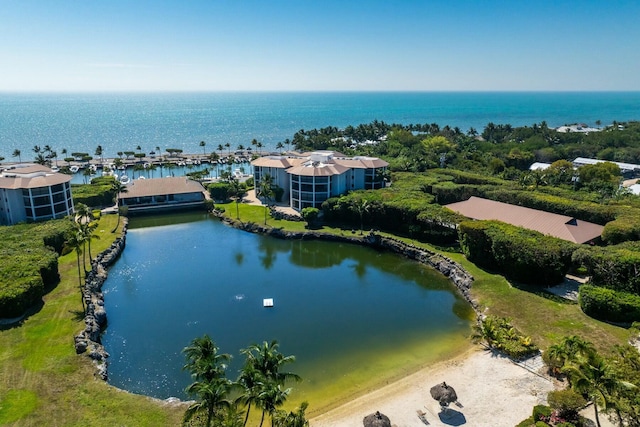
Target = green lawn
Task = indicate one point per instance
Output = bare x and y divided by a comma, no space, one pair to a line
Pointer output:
43,381
538,314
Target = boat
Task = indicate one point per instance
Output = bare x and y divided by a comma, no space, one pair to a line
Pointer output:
55,169
93,168
74,169
141,177
124,179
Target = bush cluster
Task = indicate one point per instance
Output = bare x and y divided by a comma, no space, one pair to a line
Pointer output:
523,255
608,304
28,263
614,267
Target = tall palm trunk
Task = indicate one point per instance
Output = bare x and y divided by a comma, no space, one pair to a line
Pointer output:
262,419
246,417
80,281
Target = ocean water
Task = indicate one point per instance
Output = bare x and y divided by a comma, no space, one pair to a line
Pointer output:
121,122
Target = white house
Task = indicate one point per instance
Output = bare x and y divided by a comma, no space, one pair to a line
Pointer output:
33,193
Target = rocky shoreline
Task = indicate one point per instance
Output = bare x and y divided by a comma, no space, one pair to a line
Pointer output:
95,319
88,340
451,269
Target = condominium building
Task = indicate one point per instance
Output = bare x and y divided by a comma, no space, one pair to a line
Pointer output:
33,193
308,179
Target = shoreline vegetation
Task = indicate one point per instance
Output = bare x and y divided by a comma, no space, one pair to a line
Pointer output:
42,379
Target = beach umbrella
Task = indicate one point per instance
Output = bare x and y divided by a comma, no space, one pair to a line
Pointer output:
376,420
443,393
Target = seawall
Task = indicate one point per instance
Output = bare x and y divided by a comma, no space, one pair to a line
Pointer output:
95,319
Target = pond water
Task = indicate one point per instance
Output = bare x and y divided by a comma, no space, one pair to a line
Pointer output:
354,318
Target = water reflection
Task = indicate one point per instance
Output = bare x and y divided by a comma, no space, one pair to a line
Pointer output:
176,282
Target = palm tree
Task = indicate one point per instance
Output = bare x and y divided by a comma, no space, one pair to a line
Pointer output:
17,153
228,148
74,241
236,192
203,144
265,191
270,398
292,419
99,152
279,146
268,362
116,188
211,397
595,377
361,207
249,383
207,367
204,360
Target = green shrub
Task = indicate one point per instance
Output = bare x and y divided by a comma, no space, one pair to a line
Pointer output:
529,422
615,267
219,191
541,413
92,194
566,403
28,263
608,304
523,255
625,227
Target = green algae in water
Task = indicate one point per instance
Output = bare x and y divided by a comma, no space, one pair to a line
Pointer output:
354,317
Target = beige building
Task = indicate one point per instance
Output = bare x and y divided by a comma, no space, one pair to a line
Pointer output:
308,179
33,193
162,193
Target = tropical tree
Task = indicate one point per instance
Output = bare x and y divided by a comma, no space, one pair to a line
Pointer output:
236,192
596,378
17,153
265,191
207,367
203,145
292,419
75,241
361,207
264,362
117,188
250,384
279,146
98,152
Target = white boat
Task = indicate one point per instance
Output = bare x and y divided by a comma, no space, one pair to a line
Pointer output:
74,169
147,165
55,169
93,168
141,177
124,179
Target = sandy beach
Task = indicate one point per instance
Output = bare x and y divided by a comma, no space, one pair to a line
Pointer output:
492,391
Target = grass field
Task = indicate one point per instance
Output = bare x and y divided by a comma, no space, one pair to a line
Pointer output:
43,381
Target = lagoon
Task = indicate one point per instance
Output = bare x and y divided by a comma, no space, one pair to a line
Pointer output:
355,318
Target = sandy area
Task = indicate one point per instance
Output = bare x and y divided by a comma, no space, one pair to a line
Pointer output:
492,391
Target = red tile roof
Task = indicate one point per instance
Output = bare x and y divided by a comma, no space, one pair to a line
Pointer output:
560,226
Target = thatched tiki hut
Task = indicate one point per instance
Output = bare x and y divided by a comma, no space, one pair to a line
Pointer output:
376,420
443,393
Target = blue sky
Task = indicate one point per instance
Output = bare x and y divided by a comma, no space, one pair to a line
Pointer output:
212,45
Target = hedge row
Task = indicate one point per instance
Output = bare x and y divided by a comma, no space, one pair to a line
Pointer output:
624,228
404,212
616,267
608,304
93,195
28,263
522,255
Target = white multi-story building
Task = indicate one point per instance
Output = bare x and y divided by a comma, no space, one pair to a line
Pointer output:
33,193
310,179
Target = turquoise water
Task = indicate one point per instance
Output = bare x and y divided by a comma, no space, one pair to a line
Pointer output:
344,311
121,122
